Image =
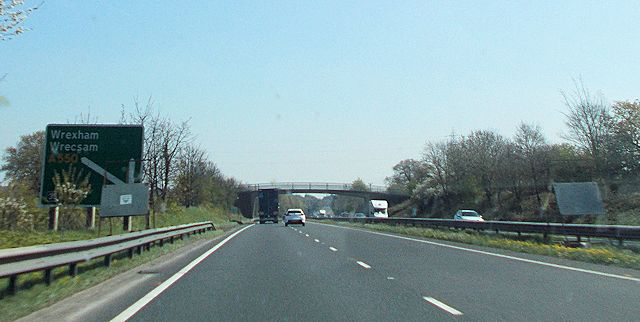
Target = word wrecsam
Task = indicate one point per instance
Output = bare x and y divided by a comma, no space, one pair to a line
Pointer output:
57,147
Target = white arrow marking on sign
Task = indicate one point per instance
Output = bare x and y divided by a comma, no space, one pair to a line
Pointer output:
93,166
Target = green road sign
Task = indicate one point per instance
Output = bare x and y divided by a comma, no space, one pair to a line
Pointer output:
100,151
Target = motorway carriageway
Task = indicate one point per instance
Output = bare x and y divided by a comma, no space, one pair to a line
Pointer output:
331,273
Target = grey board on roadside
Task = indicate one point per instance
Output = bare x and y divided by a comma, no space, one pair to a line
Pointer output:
578,198
124,200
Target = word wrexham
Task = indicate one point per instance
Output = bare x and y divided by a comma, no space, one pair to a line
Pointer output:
57,147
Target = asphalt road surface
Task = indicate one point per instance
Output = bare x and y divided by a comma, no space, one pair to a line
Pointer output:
328,273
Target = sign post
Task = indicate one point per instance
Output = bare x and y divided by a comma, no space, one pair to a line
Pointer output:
100,153
91,217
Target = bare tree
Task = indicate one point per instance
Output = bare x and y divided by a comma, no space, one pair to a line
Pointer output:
172,138
590,125
163,139
191,179
437,155
485,151
532,150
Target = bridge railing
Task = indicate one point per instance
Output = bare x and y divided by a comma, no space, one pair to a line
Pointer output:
312,186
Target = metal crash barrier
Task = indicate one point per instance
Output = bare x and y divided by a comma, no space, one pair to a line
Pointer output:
17,261
618,232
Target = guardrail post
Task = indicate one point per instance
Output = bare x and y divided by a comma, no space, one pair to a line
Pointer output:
48,276
620,241
91,218
13,284
171,239
73,269
130,252
161,241
545,236
53,218
139,250
107,260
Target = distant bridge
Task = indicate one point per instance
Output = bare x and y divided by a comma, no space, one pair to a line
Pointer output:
247,198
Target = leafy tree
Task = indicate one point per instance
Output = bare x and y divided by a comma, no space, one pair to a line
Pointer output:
569,164
13,211
71,187
22,163
626,141
407,174
626,116
346,203
359,185
12,16
287,201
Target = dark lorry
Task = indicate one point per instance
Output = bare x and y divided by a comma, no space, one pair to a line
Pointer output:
268,206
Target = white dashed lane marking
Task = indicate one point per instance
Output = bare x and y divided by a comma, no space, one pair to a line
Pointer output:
333,249
442,305
363,264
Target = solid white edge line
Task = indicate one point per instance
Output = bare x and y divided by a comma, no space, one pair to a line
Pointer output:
582,270
333,249
442,305
363,264
137,306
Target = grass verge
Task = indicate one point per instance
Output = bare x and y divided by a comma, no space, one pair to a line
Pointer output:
113,226
33,294
598,255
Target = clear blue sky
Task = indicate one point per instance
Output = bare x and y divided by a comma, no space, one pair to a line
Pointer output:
324,91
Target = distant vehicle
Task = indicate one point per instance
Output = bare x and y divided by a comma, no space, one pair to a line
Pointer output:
269,207
359,215
377,209
345,214
294,216
322,213
470,215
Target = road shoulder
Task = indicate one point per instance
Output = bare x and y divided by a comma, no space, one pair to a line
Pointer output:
107,299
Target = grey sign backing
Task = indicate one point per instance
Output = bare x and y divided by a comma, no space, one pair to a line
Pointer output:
124,200
579,198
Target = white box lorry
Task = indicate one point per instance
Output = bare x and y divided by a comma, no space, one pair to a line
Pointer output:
378,209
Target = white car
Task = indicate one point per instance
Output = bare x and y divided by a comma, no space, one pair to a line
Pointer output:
294,216
469,215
